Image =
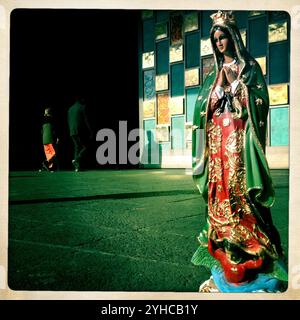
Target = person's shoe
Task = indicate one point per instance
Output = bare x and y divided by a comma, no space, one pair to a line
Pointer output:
53,164
76,165
44,166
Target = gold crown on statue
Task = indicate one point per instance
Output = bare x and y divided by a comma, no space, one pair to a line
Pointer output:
223,17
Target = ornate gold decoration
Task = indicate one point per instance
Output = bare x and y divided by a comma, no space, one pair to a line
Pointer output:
202,113
225,208
236,175
148,59
215,137
235,141
258,102
237,180
261,123
221,214
240,234
226,165
215,169
236,102
191,77
223,17
235,162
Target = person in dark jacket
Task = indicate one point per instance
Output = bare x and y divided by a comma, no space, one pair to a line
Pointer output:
49,139
80,131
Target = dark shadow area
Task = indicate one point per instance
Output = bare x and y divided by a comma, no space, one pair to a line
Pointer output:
106,196
26,176
151,153
58,54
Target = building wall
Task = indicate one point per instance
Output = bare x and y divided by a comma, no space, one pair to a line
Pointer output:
175,56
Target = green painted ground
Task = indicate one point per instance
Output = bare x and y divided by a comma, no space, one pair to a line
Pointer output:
118,230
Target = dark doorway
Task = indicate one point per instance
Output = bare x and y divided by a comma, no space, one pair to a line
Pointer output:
56,54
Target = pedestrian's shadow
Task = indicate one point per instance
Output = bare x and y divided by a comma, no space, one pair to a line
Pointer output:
152,152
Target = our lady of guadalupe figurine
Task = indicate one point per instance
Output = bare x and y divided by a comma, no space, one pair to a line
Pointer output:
239,241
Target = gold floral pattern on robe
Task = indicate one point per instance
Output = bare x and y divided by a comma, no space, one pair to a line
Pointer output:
230,212
235,141
214,136
215,170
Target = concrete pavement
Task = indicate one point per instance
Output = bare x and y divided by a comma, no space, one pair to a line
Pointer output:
111,230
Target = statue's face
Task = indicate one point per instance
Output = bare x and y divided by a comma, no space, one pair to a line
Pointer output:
222,42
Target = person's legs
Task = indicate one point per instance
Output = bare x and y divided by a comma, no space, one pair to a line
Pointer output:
79,151
50,154
76,144
53,163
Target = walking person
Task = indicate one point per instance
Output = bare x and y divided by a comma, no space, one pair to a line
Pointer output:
80,132
50,141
